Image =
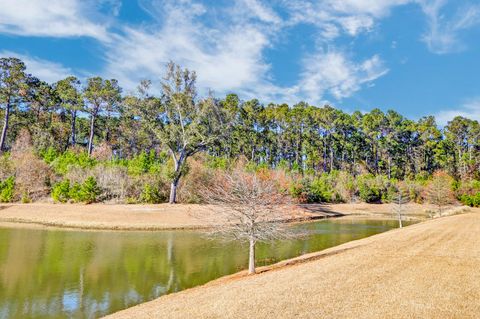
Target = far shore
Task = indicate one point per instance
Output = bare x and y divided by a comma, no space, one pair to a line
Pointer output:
179,216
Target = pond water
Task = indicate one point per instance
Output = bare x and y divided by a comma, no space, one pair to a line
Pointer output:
64,274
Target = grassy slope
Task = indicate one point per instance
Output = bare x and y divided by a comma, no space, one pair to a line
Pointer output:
428,270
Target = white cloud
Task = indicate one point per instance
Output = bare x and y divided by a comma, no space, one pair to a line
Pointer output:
226,57
470,109
443,35
352,16
52,18
261,11
43,69
334,73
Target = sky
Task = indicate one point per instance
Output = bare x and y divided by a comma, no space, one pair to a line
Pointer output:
418,57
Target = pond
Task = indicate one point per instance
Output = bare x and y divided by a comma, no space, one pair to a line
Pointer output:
49,273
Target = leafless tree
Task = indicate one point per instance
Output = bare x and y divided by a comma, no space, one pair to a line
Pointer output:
247,208
439,191
400,199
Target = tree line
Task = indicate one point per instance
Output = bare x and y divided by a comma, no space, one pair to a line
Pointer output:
302,138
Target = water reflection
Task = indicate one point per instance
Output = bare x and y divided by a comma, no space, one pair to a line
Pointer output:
58,274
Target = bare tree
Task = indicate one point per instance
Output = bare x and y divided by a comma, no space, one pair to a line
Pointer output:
439,191
400,199
247,208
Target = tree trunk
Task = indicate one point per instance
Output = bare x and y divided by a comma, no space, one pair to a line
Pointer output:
173,192
90,140
73,128
400,224
5,128
251,258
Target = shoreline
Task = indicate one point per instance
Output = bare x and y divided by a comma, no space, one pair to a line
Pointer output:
166,217
416,245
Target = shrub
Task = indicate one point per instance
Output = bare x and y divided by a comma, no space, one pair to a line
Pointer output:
152,195
112,180
198,174
89,191
6,166
70,158
345,186
7,190
74,193
49,155
469,193
471,200
32,175
61,191
368,190
321,190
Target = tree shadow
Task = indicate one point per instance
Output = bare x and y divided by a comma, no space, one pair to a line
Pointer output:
320,211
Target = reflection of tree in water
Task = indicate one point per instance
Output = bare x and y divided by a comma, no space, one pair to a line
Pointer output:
88,274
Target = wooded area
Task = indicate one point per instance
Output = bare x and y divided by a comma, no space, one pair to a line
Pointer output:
94,136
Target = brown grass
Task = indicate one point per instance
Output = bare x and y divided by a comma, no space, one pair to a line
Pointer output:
428,270
166,216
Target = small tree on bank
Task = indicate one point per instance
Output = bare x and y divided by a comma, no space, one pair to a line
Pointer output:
248,209
400,199
439,192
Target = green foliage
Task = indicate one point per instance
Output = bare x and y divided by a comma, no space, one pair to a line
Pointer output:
151,195
471,200
75,193
49,155
321,190
64,161
61,191
89,191
368,190
25,198
469,193
7,190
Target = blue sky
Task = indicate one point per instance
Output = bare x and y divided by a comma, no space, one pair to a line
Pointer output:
418,57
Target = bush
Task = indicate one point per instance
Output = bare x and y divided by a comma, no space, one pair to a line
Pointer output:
152,195
61,191
74,193
6,167
7,190
321,190
368,190
32,175
471,200
469,193
70,158
89,191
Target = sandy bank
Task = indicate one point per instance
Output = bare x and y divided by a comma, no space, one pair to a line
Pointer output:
427,270
165,216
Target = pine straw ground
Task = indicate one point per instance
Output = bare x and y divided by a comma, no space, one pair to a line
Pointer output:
427,270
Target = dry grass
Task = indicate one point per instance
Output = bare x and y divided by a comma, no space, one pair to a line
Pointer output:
166,216
428,270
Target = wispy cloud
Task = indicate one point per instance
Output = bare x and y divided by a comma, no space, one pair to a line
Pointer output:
227,44
227,57
444,31
470,109
53,18
43,69
334,73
